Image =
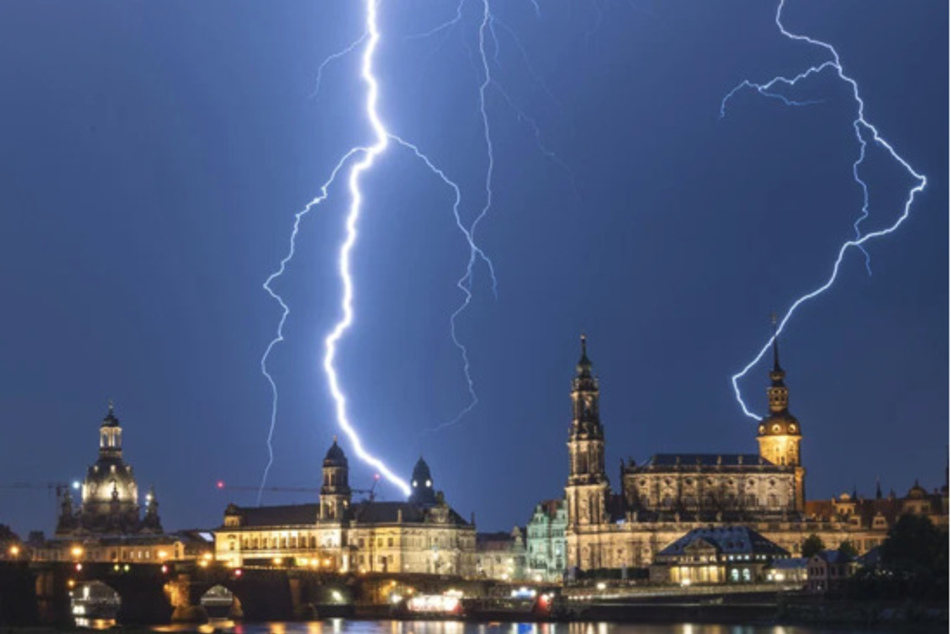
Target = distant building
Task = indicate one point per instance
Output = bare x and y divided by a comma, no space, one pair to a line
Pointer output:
729,554
869,519
109,525
545,540
421,535
829,570
110,495
501,556
792,570
669,494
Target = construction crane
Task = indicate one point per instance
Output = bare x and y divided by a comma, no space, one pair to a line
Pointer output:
370,493
59,487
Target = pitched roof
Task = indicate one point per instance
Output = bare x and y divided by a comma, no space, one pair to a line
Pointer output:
793,563
704,459
729,540
551,507
834,557
287,515
392,512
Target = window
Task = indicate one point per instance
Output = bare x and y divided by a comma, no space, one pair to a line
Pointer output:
389,542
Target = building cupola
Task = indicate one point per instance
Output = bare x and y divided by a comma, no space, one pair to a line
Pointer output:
422,484
110,435
335,485
780,435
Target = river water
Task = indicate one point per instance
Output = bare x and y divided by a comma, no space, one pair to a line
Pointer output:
342,626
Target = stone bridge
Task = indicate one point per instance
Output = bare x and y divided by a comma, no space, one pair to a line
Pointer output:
157,594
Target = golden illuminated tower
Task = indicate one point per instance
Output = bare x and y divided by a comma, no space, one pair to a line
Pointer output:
587,489
780,434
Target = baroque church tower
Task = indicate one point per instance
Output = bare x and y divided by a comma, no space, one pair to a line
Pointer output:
780,434
587,489
335,490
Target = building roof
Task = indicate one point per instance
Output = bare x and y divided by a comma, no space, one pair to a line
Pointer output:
890,508
705,459
728,540
793,563
550,507
495,542
833,556
287,515
871,559
335,456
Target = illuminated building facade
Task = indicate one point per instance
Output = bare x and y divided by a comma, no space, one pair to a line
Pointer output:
501,556
110,495
730,554
670,494
109,525
545,541
421,535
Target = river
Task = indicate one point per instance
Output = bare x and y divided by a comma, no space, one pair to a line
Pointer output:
342,626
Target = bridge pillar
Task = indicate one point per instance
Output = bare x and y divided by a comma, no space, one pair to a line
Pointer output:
51,589
144,601
184,595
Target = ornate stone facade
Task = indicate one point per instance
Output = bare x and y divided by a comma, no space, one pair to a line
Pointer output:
546,541
422,535
671,494
110,495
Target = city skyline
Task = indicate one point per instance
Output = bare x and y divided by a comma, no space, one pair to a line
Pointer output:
154,172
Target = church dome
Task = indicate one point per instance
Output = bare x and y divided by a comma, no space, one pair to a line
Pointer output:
917,492
780,424
335,456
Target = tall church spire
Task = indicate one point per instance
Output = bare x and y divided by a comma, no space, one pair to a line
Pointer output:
584,363
587,489
777,374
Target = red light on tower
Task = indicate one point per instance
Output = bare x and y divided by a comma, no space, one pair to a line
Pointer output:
376,476
220,484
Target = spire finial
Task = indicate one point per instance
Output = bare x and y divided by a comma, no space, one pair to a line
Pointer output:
335,439
112,405
775,320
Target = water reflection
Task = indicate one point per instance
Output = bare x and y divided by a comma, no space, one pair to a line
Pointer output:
341,626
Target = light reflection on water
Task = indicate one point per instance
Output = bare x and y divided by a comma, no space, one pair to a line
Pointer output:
342,626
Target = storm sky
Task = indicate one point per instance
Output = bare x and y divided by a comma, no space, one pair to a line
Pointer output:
153,155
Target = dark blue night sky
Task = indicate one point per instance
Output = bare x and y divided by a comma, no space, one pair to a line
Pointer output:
152,157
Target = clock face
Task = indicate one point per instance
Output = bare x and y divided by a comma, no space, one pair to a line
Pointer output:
792,427
762,429
776,428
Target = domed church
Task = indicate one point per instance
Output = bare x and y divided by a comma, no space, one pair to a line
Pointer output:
110,495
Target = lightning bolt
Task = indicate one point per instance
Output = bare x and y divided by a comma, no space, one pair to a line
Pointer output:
361,159
487,31
863,129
